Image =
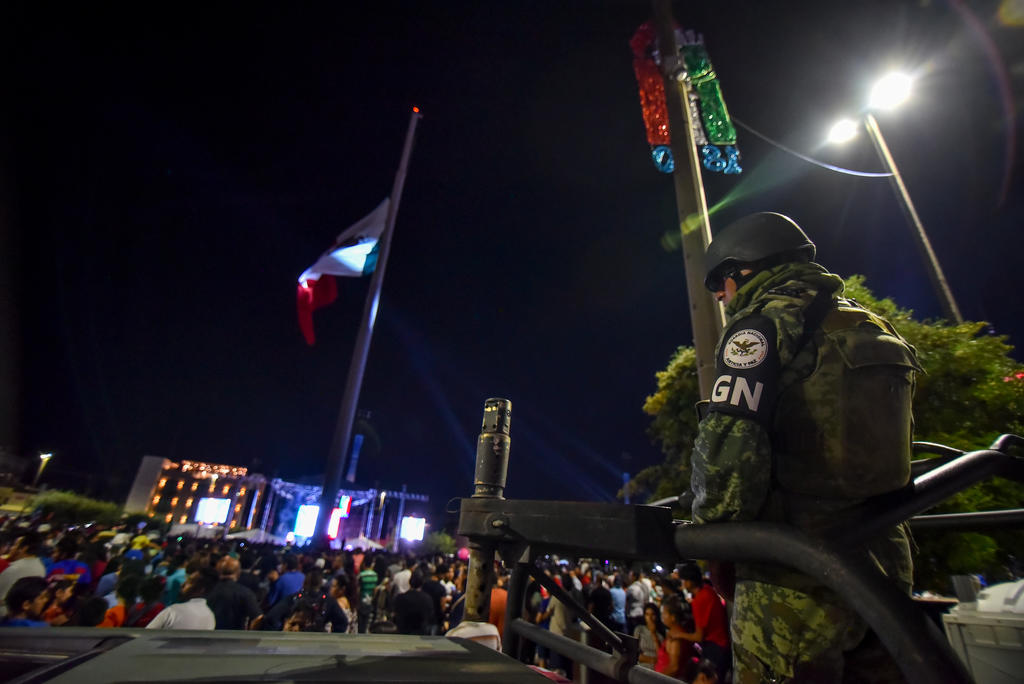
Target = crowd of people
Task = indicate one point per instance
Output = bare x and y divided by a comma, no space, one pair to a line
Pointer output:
90,577
676,615
81,578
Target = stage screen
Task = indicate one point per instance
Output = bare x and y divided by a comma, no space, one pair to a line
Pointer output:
305,521
412,528
212,511
343,510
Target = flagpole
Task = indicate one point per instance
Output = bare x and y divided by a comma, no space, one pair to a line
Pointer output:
346,415
707,317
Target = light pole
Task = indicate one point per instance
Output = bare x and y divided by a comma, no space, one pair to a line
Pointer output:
889,92
43,460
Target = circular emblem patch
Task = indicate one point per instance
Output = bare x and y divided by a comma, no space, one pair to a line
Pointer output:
745,349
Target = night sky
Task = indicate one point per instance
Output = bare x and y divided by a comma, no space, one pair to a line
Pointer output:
170,170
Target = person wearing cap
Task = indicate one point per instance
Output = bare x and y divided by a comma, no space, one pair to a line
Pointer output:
810,413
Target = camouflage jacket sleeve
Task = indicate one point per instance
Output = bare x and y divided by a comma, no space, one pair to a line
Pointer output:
732,466
732,456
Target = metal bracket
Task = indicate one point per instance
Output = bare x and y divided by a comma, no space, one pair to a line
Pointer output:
587,529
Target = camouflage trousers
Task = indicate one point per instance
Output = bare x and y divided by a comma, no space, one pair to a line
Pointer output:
785,635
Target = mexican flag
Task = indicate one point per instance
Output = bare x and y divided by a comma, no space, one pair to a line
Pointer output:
353,254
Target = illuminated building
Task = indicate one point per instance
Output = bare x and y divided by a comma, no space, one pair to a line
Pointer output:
229,496
158,481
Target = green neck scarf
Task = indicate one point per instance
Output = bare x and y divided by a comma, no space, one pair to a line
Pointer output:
810,274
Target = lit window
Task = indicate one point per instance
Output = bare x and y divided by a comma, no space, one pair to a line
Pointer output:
241,492
163,481
213,483
182,520
168,517
238,507
174,502
195,486
188,502
156,500
181,483
226,488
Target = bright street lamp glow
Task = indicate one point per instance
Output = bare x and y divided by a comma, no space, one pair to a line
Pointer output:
43,460
890,91
842,131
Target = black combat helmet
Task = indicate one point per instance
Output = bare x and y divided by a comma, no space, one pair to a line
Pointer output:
752,239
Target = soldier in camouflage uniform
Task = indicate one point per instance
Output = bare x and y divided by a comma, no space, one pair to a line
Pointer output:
809,415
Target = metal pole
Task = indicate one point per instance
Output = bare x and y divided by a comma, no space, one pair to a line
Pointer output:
252,507
881,512
610,665
347,412
707,316
607,664
492,449
380,515
369,514
268,504
511,644
981,520
949,308
398,520
558,593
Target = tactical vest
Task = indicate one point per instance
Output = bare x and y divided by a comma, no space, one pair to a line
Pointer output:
843,432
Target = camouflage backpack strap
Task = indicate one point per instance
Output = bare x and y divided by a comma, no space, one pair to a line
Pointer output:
814,316
821,304
816,308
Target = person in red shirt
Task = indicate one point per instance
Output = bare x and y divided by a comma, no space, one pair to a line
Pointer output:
148,605
499,600
711,624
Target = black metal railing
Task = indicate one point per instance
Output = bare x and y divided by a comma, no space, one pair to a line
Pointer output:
522,531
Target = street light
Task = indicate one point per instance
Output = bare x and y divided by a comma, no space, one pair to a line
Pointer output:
889,92
843,131
43,460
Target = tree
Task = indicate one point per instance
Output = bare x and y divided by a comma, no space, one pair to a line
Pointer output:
438,542
674,426
972,391
68,508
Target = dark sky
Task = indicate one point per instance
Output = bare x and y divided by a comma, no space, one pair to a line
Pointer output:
171,169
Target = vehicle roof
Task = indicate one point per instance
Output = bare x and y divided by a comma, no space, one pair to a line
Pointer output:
85,655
